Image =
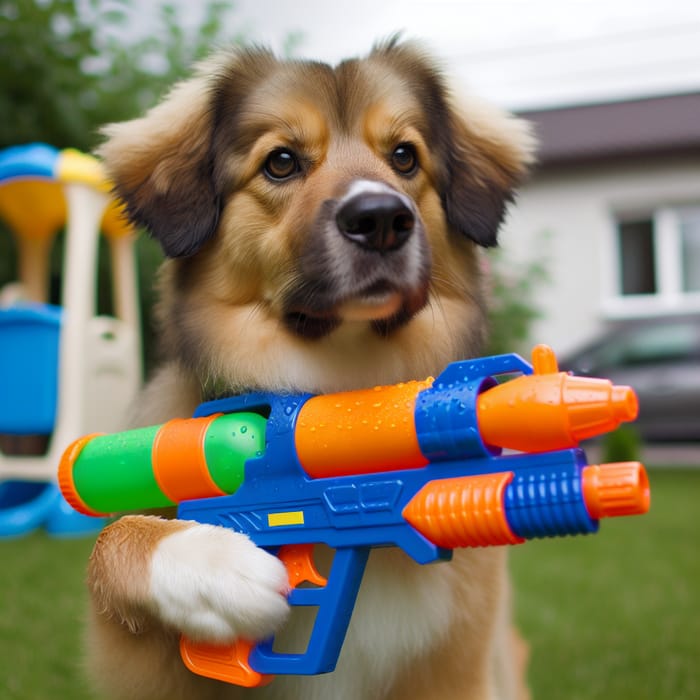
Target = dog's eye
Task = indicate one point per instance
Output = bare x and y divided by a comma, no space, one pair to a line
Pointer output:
404,159
281,164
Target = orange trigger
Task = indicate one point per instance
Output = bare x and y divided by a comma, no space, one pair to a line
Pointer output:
299,562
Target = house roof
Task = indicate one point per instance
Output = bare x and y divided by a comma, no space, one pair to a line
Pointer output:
642,127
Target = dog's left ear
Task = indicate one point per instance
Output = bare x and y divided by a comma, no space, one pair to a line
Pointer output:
160,166
485,153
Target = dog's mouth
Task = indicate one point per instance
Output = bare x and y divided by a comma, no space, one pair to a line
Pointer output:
381,304
377,302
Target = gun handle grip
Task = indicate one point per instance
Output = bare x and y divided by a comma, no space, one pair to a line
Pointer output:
224,662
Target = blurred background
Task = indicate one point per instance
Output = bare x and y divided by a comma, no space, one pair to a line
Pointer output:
605,239
600,259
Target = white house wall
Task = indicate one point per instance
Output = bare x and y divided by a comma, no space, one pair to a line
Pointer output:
566,219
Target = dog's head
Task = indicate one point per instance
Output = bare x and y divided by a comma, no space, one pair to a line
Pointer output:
324,220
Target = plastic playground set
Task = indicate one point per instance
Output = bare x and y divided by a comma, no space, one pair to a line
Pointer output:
64,370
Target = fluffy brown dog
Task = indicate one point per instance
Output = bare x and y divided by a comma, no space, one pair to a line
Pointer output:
323,228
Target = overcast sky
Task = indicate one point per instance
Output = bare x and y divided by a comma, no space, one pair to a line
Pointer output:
520,53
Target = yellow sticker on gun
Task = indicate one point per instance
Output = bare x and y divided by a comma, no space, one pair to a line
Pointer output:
295,517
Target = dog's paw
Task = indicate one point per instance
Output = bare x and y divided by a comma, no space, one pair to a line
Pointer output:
216,585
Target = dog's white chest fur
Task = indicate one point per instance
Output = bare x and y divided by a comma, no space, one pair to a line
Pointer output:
401,610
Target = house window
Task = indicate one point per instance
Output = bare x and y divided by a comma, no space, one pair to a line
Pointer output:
690,242
659,260
637,268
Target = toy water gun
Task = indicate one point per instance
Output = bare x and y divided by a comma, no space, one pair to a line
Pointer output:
417,465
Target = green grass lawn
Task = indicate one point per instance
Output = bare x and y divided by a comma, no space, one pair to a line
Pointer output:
614,616
42,599
617,615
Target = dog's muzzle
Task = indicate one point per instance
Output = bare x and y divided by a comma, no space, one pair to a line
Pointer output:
367,260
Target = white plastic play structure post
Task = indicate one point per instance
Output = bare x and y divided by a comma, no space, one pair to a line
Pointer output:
99,355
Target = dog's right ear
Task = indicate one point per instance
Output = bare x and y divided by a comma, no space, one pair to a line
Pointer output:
161,167
486,153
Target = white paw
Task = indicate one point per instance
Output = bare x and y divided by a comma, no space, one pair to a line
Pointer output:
216,585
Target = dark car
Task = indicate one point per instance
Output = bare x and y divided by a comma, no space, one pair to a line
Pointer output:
660,359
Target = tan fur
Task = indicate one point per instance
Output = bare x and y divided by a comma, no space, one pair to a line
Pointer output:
125,547
227,296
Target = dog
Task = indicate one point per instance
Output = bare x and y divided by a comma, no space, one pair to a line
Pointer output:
323,229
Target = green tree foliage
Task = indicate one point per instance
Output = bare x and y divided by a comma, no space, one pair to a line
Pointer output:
622,445
67,67
512,306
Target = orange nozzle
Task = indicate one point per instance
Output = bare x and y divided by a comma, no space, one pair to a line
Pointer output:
551,410
611,490
464,511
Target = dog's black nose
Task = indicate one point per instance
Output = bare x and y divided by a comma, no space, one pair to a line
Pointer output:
376,221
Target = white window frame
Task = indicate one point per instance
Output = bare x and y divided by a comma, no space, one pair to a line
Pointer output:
667,241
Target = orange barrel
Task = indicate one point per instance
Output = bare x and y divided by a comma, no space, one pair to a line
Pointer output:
360,432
